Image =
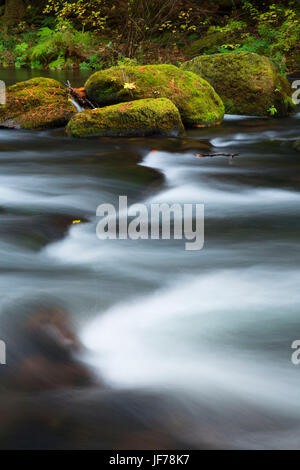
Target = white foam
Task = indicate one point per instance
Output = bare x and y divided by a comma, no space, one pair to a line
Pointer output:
186,337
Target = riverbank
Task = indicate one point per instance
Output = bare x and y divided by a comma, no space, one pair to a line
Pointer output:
64,42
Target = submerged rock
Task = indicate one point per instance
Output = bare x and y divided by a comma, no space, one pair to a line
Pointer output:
249,84
39,103
95,419
37,229
134,118
42,349
196,100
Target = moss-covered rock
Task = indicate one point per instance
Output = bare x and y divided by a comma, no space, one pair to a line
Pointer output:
248,83
39,103
133,118
196,100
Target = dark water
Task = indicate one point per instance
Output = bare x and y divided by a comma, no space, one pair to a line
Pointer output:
195,345
11,76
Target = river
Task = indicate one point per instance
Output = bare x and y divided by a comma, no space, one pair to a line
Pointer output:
207,332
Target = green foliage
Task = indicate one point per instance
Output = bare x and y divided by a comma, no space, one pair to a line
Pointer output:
123,61
84,66
275,32
55,47
94,34
143,16
94,62
21,51
220,38
91,14
36,65
133,21
272,110
58,64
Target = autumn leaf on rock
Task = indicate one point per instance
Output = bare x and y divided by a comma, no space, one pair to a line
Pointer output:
129,86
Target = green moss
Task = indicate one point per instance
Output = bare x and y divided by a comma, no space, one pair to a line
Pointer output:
208,44
134,118
38,103
196,100
248,83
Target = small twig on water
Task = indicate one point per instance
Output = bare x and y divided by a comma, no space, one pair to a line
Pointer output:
217,154
230,155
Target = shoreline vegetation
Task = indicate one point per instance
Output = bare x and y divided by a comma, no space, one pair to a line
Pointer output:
175,66
99,34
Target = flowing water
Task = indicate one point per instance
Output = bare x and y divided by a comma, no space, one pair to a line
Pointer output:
210,329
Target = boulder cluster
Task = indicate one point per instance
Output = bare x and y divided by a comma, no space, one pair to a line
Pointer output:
137,101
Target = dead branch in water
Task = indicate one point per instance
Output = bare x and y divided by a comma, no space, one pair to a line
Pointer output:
230,155
80,96
201,155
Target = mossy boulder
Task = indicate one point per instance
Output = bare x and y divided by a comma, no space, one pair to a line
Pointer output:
248,83
39,103
133,118
196,100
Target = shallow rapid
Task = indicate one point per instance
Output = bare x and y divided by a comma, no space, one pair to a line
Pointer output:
211,329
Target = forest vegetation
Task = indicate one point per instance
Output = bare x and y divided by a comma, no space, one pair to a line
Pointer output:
97,34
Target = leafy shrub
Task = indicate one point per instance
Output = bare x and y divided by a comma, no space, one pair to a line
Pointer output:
275,32
21,51
36,65
55,47
57,64
94,62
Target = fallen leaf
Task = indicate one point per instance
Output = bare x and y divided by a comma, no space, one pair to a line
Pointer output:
129,86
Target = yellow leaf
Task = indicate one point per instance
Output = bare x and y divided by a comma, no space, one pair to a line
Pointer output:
129,86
